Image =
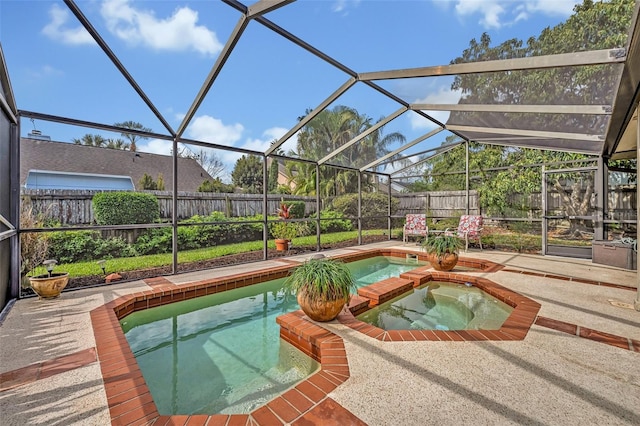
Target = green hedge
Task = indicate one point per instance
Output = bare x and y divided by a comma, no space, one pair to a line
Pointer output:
76,246
125,208
296,209
159,240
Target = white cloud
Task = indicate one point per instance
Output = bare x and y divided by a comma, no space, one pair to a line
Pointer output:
443,95
551,7
57,29
209,129
155,146
489,9
342,6
178,32
498,13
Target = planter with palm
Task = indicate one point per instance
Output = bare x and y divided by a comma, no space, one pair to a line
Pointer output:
443,251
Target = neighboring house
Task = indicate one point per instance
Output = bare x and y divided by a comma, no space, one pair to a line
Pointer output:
60,165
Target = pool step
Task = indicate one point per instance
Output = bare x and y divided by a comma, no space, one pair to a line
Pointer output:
385,290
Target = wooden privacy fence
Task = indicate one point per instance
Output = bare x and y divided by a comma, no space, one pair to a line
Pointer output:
74,207
438,204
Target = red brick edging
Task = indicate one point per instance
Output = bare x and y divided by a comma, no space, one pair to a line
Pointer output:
590,334
568,278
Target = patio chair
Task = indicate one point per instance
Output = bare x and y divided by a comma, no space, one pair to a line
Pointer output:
415,225
469,228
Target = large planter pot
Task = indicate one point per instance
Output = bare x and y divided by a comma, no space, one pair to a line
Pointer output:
446,262
282,244
320,310
49,287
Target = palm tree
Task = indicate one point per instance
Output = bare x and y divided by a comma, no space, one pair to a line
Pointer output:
133,138
327,132
90,140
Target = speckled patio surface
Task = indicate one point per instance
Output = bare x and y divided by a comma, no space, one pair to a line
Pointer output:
578,363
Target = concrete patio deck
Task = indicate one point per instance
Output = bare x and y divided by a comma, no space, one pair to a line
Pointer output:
553,376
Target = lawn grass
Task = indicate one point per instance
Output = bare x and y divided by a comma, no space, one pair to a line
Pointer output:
123,264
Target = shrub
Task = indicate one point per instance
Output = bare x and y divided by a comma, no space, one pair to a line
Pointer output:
296,209
199,235
124,208
373,204
76,246
333,221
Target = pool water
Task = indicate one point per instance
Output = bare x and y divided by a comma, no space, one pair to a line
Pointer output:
374,269
440,306
222,353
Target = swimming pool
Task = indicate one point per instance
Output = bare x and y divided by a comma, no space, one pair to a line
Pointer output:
222,353
439,305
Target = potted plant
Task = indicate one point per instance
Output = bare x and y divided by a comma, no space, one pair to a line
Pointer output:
283,231
323,286
443,251
51,284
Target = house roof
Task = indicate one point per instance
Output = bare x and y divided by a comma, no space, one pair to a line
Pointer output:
68,157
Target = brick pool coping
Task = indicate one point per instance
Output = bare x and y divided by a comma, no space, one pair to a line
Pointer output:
130,401
125,383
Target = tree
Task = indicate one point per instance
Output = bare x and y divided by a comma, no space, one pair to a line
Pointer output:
147,182
90,140
247,174
210,162
117,144
273,176
131,137
215,186
328,131
592,26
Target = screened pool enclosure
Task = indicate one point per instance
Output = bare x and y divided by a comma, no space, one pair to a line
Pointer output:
355,141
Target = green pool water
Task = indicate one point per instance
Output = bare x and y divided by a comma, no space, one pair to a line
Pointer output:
440,306
223,353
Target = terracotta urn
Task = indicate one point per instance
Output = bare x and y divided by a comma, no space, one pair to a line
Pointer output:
49,286
446,262
320,310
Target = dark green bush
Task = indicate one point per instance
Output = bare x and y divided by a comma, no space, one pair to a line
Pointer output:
333,221
296,209
198,235
373,204
124,208
77,246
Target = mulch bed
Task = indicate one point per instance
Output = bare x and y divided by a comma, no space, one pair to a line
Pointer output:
233,259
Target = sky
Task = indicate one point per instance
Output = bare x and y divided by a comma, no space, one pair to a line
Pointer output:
169,47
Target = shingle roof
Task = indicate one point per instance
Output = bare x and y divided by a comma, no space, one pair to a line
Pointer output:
69,157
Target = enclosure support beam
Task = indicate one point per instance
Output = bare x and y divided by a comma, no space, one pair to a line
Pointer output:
213,74
265,207
174,209
514,108
466,173
389,206
318,233
535,133
363,135
402,148
636,303
544,209
602,189
112,56
14,197
594,57
442,151
335,95
359,208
